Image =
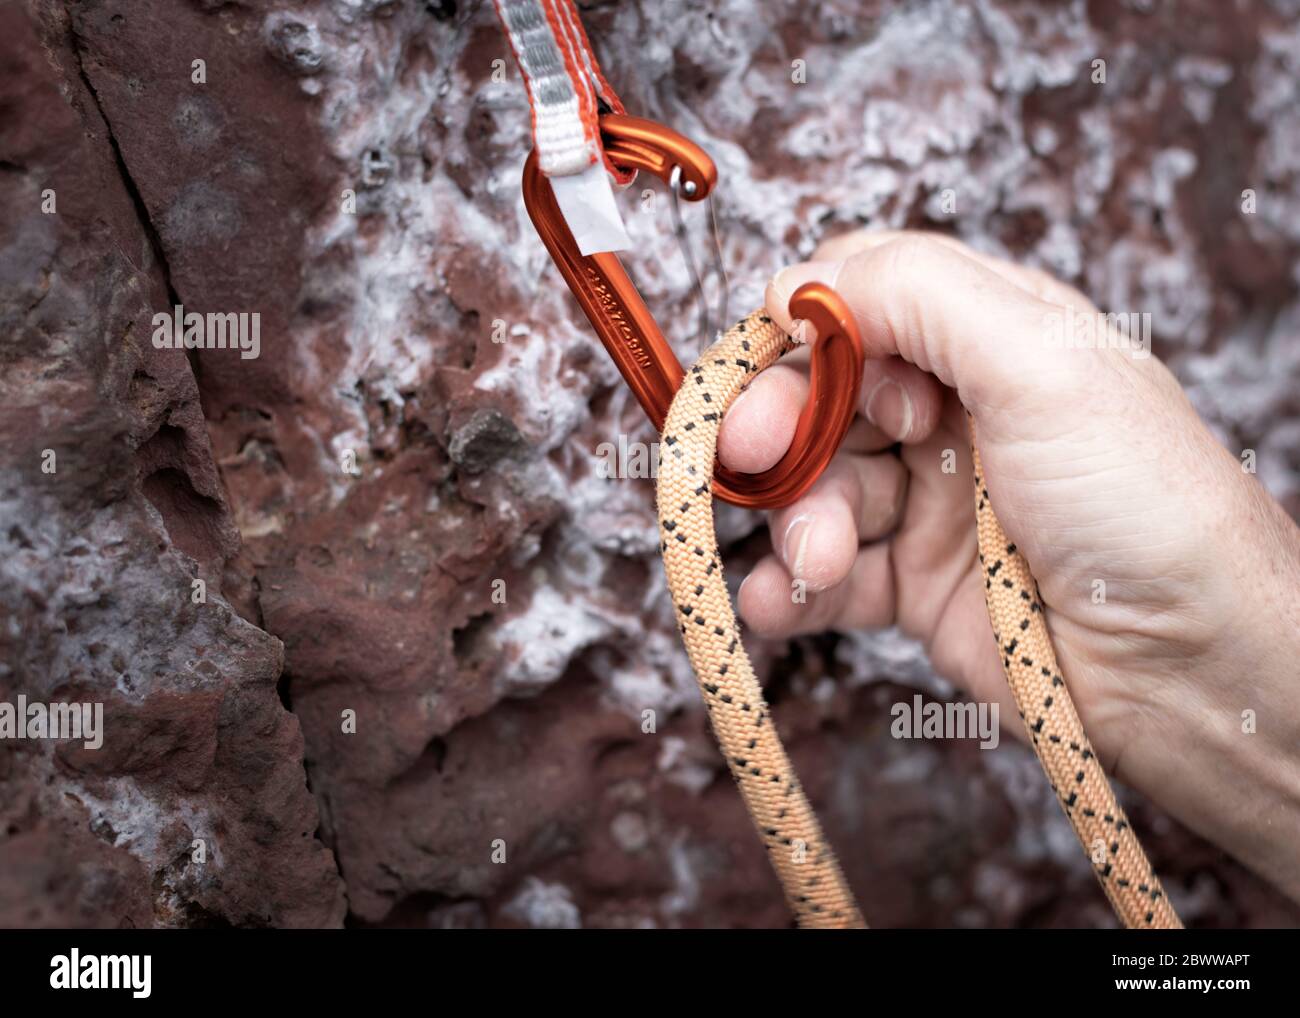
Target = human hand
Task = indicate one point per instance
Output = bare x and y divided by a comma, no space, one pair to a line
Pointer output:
1171,580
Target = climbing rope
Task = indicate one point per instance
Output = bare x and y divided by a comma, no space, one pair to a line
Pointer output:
810,875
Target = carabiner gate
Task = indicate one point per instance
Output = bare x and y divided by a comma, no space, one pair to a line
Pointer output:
629,333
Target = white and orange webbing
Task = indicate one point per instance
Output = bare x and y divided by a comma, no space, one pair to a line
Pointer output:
564,83
809,872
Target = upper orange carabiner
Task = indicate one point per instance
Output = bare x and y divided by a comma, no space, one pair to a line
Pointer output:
628,330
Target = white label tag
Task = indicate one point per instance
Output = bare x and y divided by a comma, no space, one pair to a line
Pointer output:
587,201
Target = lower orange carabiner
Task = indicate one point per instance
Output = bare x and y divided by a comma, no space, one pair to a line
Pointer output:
643,356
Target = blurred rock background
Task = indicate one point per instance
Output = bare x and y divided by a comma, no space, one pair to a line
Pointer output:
333,589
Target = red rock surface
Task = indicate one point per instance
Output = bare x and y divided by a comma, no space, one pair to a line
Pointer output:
484,723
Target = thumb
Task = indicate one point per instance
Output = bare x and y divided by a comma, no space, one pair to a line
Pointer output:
944,312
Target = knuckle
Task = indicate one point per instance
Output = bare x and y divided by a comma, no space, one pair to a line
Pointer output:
843,245
905,256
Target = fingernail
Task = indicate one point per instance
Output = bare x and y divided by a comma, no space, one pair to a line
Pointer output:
794,546
791,278
889,408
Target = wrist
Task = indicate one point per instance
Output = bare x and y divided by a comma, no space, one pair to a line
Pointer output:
1227,731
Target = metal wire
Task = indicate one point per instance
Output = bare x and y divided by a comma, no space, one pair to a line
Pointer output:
709,332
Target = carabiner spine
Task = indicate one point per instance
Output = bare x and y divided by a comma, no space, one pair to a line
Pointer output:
623,323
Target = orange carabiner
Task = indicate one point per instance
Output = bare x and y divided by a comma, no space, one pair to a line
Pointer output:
628,330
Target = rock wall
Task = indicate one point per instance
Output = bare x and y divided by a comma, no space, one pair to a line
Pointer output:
429,628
